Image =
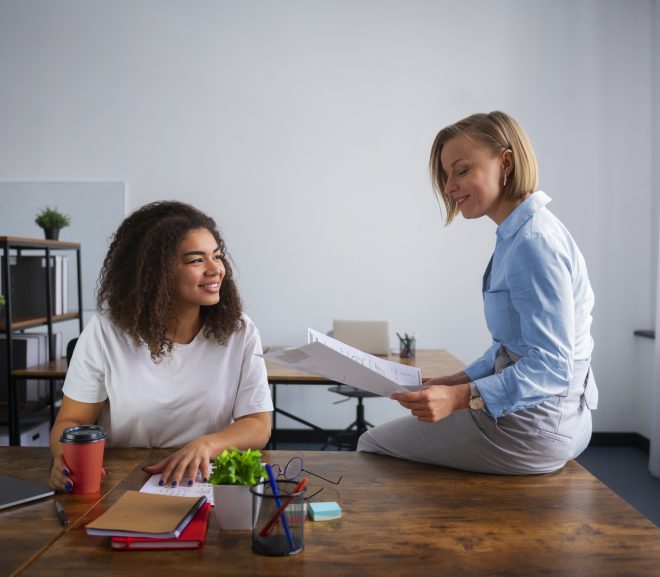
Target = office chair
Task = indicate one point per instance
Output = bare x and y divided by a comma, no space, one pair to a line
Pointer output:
371,337
69,350
348,437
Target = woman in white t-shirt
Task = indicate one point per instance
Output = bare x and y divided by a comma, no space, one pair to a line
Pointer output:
169,358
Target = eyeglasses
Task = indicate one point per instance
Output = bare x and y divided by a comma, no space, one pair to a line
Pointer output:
292,470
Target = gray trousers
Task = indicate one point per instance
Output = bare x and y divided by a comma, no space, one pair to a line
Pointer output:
539,439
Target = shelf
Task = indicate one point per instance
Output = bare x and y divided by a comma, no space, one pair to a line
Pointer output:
29,408
22,242
25,323
53,370
11,325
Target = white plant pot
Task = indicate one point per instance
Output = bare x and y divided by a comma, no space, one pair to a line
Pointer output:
233,507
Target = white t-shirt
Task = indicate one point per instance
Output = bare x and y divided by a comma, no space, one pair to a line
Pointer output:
200,389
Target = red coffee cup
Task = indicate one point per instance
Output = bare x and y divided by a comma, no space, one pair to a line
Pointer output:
83,447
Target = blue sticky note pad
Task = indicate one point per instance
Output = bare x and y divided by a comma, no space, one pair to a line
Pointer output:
324,511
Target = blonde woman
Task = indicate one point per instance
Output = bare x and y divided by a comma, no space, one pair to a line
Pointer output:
524,406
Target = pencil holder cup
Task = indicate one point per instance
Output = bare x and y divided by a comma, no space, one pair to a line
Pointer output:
407,348
279,520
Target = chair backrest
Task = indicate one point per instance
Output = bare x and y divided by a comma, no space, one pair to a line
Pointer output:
369,336
69,350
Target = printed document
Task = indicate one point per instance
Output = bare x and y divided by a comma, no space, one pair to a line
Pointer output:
342,363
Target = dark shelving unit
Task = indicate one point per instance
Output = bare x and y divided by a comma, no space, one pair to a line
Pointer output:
10,325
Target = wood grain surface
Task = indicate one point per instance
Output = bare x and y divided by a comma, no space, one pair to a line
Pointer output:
403,519
29,529
432,363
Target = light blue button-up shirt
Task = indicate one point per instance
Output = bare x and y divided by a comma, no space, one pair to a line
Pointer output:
537,302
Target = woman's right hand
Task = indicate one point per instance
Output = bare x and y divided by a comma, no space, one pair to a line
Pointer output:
59,476
72,413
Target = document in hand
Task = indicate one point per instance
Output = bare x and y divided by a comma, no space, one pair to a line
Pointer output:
192,537
138,514
342,363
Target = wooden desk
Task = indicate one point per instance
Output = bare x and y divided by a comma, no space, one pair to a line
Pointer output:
28,530
432,363
399,519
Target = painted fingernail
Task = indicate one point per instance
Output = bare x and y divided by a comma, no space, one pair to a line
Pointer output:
68,487
66,472
206,479
190,482
161,483
173,483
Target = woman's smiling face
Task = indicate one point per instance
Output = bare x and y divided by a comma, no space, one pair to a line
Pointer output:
199,270
474,178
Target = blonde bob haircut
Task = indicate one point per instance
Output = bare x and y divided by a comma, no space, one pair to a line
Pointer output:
499,132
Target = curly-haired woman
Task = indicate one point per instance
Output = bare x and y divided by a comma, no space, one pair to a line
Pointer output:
169,358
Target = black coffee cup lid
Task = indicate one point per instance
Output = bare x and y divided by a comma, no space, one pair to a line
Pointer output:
82,434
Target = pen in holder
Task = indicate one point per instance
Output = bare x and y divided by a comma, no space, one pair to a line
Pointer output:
407,345
279,520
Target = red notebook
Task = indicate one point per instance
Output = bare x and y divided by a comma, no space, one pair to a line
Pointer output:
192,537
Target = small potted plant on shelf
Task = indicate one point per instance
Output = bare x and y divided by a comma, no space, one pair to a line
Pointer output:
51,220
234,472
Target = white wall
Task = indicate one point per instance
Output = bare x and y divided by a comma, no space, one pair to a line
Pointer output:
304,127
653,394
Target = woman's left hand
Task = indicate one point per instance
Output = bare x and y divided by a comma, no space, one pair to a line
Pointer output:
435,402
184,464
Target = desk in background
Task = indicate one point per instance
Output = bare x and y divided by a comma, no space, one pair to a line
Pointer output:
432,363
399,519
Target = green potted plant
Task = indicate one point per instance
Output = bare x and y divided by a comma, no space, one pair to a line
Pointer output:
234,472
51,220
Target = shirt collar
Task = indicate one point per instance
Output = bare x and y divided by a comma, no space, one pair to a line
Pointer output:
522,213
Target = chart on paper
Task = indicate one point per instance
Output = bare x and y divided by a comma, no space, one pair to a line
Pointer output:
196,490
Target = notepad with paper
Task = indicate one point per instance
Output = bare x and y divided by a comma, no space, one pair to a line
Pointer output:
192,537
138,514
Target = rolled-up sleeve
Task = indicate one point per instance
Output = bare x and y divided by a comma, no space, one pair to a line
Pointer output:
483,366
540,285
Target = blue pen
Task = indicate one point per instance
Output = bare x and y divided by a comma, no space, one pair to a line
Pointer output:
276,494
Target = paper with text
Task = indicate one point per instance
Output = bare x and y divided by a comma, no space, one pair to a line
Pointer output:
197,490
342,363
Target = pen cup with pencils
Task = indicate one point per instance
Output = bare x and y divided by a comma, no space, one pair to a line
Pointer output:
407,345
280,518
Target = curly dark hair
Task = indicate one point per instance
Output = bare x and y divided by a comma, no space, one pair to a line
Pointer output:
136,286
